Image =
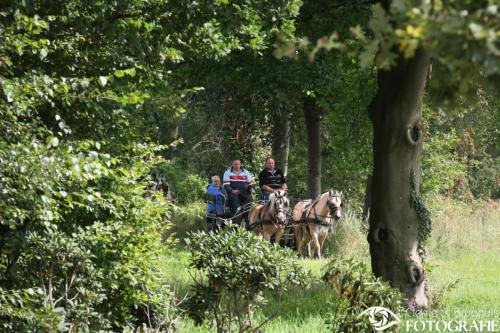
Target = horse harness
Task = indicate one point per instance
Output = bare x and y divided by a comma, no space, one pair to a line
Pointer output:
317,220
261,220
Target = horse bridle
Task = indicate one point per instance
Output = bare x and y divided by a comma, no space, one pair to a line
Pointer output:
280,209
331,207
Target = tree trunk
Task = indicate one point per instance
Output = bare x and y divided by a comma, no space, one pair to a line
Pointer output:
281,141
312,117
368,198
396,222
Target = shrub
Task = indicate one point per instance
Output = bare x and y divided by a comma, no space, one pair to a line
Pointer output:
186,187
78,225
22,309
236,268
355,290
443,169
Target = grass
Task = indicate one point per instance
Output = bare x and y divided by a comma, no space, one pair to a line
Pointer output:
464,246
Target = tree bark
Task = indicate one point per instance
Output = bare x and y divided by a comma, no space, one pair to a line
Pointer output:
313,120
368,198
396,113
281,141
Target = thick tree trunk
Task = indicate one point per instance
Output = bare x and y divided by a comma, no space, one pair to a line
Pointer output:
368,198
394,221
281,141
313,120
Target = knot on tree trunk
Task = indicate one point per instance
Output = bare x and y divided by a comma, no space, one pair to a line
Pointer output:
416,274
380,235
414,135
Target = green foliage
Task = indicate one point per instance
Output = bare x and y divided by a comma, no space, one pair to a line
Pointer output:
442,165
458,159
27,306
439,296
84,88
188,218
88,90
355,290
76,226
460,34
348,238
191,188
237,267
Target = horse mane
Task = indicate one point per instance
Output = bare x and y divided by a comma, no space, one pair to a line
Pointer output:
327,193
322,200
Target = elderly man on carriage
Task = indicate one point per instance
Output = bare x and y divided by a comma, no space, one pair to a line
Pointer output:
216,203
238,183
271,179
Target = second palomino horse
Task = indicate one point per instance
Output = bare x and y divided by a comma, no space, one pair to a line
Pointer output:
312,220
269,219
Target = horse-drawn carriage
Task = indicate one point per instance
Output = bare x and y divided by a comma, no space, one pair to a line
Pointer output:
242,217
308,223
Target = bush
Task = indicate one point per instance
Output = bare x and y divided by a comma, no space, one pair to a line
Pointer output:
355,290
444,171
79,226
186,187
191,188
20,309
236,268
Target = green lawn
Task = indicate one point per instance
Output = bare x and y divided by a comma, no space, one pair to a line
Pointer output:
472,259
477,295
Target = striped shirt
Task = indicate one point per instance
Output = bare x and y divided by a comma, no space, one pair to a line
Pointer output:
237,180
274,179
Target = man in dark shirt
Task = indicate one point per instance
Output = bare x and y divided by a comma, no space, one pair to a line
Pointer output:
271,179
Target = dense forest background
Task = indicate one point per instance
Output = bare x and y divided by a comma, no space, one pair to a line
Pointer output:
100,99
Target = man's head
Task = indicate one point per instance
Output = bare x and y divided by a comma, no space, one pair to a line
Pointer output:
270,164
216,180
236,165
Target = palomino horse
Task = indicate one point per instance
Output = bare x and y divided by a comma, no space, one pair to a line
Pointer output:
269,219
312,220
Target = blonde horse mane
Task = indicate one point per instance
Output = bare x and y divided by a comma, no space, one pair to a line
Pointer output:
322,200
334,193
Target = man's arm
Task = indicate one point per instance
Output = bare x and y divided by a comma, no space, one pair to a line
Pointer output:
284,186
227,182
250,182
249,178
267,188
262,182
